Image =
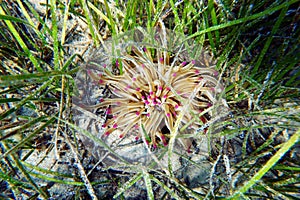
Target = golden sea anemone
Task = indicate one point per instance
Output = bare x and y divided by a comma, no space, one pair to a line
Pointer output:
151,78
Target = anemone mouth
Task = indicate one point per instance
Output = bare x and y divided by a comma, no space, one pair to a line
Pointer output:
141,81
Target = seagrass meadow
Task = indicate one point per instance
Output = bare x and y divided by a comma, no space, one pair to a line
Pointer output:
149,99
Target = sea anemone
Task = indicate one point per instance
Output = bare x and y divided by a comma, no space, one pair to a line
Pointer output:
151,77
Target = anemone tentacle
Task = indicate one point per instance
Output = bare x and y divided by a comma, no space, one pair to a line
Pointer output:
154,88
